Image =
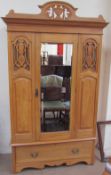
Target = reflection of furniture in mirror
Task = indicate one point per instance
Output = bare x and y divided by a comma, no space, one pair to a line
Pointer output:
81,39
64,70
67,85
54,101
44,58
55,60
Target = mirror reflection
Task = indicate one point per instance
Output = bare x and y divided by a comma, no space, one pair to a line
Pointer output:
55,86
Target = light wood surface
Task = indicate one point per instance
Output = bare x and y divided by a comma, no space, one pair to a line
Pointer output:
87,90
26,32
54,152
59,153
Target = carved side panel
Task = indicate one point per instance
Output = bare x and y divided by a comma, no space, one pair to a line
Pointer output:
21,61
89,60
87,86
21,54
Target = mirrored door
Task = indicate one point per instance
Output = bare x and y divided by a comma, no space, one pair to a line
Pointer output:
56,70
57,58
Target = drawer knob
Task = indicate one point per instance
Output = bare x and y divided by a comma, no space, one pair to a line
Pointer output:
34,155
75,151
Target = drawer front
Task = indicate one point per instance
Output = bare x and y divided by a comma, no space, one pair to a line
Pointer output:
57,151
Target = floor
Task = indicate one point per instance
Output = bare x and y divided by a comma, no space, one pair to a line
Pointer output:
79,169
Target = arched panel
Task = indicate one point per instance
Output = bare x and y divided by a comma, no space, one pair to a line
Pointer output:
22,93
22,89
87,84
87,102
22,83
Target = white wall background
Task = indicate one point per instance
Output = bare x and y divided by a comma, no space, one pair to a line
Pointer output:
86,8
107,85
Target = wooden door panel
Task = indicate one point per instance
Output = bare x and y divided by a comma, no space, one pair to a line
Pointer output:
87,102
22,86
66,39
23,105
87,84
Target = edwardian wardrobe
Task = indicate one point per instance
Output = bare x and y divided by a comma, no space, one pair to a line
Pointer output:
66,135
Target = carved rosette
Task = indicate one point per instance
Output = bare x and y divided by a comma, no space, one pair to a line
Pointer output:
21,55
89,60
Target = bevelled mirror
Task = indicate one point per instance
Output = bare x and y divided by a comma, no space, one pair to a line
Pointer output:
56,61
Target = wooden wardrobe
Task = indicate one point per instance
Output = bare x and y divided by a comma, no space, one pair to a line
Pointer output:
73,140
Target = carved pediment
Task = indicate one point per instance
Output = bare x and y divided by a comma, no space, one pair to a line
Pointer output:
58,10
55,13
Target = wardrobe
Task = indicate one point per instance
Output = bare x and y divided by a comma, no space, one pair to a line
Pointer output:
60,129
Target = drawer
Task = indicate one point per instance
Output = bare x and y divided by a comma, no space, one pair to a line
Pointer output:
50,152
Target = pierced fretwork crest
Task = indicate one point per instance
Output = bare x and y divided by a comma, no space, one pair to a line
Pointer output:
59,12
89,55
21,54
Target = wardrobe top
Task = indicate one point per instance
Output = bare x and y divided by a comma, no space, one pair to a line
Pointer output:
55,13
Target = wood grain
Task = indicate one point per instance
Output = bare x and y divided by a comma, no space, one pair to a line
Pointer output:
26,32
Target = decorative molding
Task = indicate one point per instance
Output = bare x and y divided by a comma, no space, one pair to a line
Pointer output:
21,55
89,55
53,14
58,10
42,164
